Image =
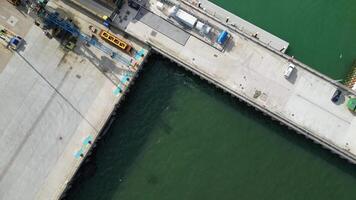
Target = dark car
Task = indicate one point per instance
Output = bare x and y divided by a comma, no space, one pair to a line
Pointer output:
336,96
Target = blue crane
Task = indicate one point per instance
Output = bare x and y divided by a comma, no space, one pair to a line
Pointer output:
53,20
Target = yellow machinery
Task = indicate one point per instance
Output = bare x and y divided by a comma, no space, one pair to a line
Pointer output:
117,42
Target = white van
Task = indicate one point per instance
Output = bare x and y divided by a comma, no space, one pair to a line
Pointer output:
289,70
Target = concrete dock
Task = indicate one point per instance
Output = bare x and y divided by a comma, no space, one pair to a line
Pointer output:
53,105
253,71
237,24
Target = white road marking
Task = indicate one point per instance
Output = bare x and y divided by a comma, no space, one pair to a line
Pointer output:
12,21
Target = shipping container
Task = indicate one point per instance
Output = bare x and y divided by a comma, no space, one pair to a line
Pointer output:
186,18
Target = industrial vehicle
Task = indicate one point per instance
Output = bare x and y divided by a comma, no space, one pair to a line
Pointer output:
15,42
50,19
10,39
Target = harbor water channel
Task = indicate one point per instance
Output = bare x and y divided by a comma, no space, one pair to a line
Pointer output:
177,137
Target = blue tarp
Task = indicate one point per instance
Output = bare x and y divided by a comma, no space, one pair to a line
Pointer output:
222,37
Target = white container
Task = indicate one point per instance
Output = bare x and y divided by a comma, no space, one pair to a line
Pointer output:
159,5
172,11
186,18
199,26
203,28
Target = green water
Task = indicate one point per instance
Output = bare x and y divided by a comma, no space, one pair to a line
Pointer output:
319,31
177,137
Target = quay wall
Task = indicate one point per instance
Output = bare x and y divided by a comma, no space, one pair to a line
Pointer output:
270,48
274,116
283,121
111,118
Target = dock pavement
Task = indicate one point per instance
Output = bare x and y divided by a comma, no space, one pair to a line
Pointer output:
53,106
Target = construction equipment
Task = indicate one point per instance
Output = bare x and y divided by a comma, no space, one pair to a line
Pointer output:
107,21
10,39
68,41
52,20
70,44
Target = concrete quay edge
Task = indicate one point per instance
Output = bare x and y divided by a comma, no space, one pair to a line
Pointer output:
333,148
324,143
62,190
281,54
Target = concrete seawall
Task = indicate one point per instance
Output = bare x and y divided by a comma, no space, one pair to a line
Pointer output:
302,103
334,149
113,115
262,42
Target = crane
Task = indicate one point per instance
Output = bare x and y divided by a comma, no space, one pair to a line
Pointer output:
54,20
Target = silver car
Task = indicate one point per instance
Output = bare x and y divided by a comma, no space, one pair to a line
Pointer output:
289,70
